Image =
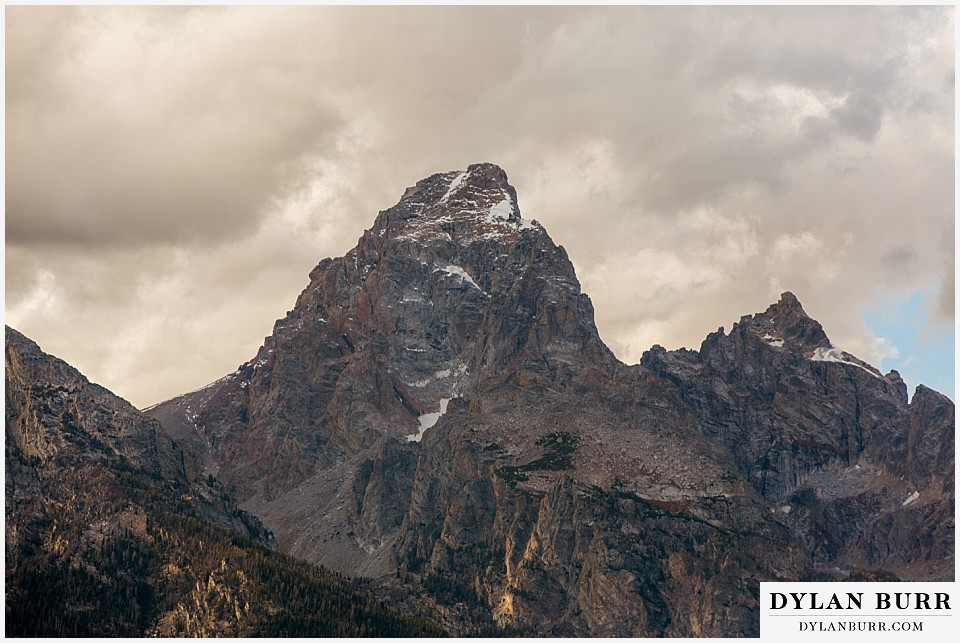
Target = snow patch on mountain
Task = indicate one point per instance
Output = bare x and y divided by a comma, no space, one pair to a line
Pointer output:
772,340
458,180
457,271
427,420
833,354
501,211
527,224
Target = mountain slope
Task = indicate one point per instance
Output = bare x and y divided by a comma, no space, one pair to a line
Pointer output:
827,440
109,534
439,412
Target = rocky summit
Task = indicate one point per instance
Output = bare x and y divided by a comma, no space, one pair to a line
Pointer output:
438,413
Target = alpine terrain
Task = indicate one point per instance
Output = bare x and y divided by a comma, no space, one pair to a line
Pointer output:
109,532
438,414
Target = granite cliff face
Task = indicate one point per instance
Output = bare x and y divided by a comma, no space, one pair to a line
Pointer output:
437,411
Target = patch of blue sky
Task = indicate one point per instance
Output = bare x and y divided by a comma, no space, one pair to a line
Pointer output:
924,341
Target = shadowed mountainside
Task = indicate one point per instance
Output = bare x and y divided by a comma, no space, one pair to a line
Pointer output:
438,412
109,533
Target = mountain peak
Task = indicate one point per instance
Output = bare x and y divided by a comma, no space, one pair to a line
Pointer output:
783,325
789,301
484,176
489,173
477,203
792,322
450,293
448,370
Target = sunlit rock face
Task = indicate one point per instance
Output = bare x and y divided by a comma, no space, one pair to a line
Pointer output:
438,412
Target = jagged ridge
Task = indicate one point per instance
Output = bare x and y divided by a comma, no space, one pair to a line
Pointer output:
438,405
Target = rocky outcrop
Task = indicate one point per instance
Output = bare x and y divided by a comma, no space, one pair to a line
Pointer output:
438,412
75,450
54,414
110,533
865,479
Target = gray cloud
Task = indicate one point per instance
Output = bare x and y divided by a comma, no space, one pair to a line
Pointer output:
860,116
174,173
899,258
142,131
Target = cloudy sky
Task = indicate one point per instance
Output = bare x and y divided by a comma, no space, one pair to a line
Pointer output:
173,174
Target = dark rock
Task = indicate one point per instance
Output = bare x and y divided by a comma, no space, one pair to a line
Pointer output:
439,412
109,534
897,381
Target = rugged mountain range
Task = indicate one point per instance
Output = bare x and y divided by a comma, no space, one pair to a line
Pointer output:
110,533
438,412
